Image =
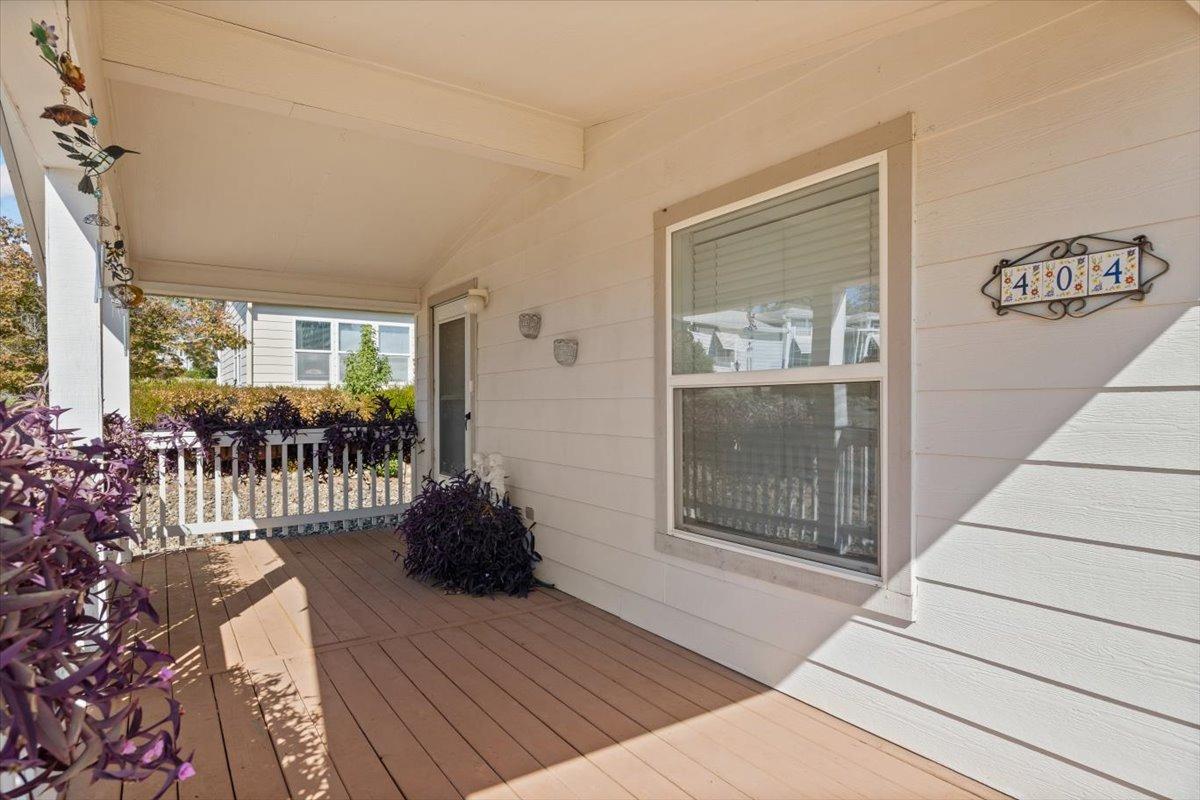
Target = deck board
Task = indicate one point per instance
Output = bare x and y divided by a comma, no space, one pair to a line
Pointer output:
314,668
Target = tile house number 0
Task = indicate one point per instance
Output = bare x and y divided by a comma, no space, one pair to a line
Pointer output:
1077,279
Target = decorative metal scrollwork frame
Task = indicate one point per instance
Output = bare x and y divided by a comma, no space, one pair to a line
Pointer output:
121,287
1077,306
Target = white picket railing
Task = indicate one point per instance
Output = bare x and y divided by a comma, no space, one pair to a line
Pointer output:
292,482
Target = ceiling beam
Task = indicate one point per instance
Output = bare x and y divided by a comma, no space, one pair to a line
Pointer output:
169,48
180,279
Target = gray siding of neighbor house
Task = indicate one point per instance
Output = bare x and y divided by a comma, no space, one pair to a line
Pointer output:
1054,651
274,337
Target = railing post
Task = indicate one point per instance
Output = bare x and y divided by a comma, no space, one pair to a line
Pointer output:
387,479
199,483
219,512
235,502
284,475
299,477
269,476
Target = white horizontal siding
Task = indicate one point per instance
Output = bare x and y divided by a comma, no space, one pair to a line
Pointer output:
274,337
1054,652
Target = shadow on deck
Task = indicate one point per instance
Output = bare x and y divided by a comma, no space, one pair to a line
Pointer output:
314,668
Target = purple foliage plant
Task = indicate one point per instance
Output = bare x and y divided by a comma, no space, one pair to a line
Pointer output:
462,537
70,671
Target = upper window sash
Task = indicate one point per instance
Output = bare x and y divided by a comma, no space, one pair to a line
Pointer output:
772,341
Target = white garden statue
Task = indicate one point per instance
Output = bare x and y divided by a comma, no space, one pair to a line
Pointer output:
490,469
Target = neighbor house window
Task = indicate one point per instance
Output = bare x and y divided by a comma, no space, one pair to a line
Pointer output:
349,338
776,374
394,343
312,351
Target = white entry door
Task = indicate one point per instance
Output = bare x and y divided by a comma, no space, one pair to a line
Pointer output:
452,349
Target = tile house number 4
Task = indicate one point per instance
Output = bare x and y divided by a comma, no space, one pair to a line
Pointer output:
1074,277
1107,272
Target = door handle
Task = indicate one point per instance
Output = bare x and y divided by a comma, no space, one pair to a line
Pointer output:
466,418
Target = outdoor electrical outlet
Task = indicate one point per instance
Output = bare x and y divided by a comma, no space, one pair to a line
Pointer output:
529,513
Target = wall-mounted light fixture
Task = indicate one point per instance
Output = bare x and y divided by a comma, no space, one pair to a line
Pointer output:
529,323
477,300
566,351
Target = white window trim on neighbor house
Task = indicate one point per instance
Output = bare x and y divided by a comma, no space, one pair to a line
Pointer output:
889,149
334,354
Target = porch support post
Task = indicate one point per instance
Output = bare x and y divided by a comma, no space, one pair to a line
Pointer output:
114,356
74,340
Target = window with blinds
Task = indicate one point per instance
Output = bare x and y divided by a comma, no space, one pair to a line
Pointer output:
787,462
312,351
789,282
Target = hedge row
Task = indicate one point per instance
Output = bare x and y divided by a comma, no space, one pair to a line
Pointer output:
153,398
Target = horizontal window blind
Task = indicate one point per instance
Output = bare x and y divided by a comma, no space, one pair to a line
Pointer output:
784,254
311,335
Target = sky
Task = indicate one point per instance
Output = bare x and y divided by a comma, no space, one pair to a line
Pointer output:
8,202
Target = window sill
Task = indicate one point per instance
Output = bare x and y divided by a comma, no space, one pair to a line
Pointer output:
868,592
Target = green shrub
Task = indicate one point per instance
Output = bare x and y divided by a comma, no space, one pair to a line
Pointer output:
152,398
403,398
366,371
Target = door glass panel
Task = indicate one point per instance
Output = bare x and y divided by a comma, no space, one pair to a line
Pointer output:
452,396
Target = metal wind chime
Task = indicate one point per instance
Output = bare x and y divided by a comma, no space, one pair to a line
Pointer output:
84,148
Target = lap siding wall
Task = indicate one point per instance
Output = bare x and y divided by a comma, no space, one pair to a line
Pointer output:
1057,465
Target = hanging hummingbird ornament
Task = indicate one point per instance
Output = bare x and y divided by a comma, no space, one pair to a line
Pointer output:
83,147
95,159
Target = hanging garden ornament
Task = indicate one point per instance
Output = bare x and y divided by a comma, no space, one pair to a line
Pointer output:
83,149
122,289
126,295
47,42
71,74
64,115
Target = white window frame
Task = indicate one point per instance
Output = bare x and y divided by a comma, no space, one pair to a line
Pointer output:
296,361
335,367
872,372
411,346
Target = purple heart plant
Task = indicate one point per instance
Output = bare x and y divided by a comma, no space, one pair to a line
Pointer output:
70,671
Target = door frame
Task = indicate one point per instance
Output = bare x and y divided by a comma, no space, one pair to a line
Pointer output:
452,294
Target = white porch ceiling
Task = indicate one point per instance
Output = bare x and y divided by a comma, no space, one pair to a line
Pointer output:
325,149
590,61
227,186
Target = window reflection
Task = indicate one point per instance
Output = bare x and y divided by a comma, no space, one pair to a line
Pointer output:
791,468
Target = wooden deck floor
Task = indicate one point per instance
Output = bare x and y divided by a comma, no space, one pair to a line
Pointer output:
313,668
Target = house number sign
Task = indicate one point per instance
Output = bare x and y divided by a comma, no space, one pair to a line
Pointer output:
1074,277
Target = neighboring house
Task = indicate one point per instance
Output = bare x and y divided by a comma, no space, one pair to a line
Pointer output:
297,346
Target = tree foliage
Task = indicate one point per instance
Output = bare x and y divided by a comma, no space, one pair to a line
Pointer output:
171,336
23,319
366,370
168,336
